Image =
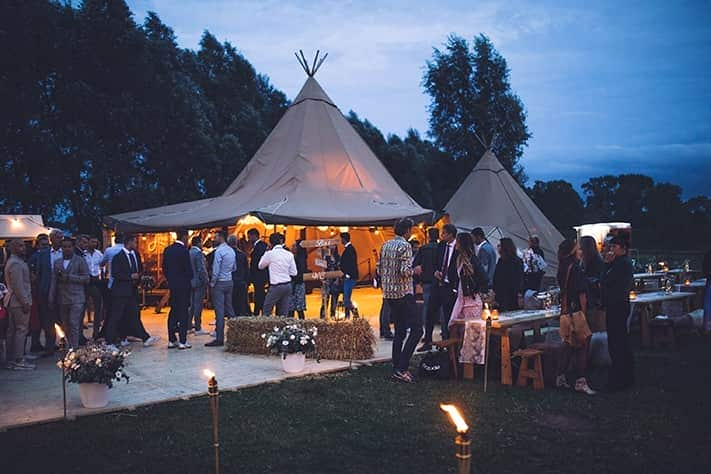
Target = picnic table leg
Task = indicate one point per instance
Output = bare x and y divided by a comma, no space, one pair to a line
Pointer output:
506,378
468,371
644,325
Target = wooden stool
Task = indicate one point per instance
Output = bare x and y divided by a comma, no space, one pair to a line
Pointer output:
663,332
525,372
451,345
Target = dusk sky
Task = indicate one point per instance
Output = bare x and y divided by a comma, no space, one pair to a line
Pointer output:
610,87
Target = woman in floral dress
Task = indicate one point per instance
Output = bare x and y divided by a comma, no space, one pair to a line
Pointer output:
472,281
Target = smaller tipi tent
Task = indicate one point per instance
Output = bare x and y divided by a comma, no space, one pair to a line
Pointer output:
491,198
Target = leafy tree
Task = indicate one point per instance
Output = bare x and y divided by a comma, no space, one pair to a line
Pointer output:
560,203
472,102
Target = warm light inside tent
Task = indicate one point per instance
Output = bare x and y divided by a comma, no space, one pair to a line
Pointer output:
16,223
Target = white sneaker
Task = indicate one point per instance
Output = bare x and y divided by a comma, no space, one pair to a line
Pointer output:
202,332
184,346
23,365
125,343
112,347
581,385
150,341
31,356
172,345
561,382
213,334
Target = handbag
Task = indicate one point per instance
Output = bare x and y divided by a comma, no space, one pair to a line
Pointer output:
434,365
574,329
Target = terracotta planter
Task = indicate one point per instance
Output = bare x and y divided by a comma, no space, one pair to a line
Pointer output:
293,363
94,395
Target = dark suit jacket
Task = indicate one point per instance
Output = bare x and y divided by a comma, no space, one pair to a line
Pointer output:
508,282
349,262
123,285
452,275
255,274
617,281
177,268
41,266
427,258
241,274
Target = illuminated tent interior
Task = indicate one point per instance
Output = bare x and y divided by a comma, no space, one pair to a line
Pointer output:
312,172
491,198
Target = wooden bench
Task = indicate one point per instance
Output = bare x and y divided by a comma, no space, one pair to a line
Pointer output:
526,372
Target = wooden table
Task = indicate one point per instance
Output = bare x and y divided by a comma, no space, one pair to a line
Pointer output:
646,301
697,287
530,319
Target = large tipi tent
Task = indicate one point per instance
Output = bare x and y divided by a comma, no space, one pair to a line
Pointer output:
313,169
491,199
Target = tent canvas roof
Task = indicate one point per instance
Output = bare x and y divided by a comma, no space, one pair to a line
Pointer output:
491,198
313,169
21,226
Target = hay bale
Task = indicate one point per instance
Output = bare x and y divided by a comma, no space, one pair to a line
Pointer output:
336,340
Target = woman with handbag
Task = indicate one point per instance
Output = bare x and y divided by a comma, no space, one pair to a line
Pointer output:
472,281
574,328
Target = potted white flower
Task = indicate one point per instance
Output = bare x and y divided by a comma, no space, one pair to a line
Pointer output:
292,342
94,367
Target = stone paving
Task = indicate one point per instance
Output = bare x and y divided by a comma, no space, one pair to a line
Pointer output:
158,374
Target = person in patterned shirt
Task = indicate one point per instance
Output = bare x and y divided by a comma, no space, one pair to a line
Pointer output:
396,272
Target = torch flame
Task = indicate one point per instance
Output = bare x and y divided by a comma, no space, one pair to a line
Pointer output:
208,373
456,417
58,330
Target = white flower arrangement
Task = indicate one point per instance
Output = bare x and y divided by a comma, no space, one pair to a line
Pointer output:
94,363
290,339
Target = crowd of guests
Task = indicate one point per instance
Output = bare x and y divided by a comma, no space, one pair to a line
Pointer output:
70,282
63,281
458,271
274,271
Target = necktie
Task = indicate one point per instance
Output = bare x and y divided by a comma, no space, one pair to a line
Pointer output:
134,264
445,263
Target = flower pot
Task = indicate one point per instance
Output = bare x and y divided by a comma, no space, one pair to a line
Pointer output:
293,363
94,395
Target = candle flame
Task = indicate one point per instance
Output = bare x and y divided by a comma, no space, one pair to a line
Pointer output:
58,330
456,417
208,373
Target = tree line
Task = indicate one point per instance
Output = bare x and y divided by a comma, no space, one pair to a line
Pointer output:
102,115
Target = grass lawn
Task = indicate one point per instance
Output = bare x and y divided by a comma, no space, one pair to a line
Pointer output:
362,422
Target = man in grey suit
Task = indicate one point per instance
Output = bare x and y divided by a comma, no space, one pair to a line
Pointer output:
197,284
485,253
18,302
67,291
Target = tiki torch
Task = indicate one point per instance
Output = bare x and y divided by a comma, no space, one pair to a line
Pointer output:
214,394
462,442
487,340
61,335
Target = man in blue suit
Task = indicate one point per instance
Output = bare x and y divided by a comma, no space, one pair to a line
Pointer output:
179,272
41,264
